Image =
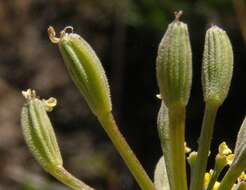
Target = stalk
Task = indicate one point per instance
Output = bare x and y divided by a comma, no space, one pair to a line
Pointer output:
204,146
214,178
111,128
68,179
229,179
177,134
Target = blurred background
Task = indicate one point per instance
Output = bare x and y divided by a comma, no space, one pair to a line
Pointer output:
125,34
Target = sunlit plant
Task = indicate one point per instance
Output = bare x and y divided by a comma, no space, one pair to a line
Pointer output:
174,78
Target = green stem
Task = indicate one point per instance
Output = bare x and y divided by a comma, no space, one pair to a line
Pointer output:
204,146
110,126
177,137
68,179
214,177
230,178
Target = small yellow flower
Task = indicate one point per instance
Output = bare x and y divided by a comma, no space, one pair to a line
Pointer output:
224,156
242,177
224,149
207,178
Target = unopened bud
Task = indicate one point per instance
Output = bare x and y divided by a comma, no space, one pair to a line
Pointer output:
85,69
192,158
174,65
38,131
217,66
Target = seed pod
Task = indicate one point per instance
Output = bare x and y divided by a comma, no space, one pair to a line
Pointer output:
38,131
217,65
85,69
174,64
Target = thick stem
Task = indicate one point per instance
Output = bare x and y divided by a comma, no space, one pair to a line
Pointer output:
110,126
204,146
177,134
230,178
68,179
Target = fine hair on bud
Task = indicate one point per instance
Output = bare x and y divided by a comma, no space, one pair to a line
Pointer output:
217,65
38,131
85,69
174,64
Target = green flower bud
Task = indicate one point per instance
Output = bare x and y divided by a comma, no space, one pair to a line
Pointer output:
174,65
38,131
240,149
85,69
217,66
192,158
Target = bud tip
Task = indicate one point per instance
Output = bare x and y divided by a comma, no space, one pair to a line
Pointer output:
178,14
29,94
52,33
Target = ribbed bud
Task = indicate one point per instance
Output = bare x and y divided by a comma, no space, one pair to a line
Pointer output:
85,69
217,66
174,65
38,131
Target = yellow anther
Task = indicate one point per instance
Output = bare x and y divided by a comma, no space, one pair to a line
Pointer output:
52,35
242,177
